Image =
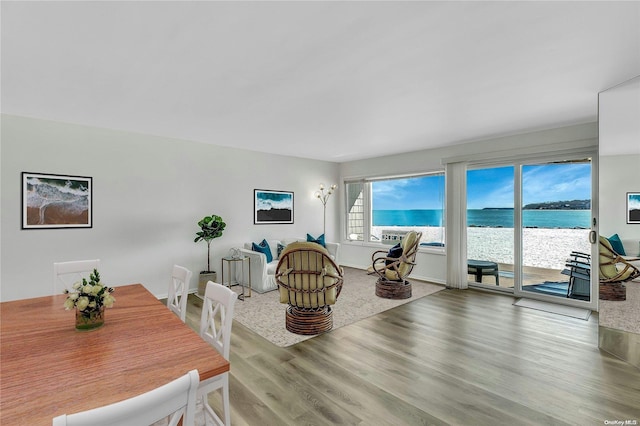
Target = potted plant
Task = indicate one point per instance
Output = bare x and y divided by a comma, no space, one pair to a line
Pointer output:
210,227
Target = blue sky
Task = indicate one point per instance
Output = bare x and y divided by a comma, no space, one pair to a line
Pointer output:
540,183
488,187
424,193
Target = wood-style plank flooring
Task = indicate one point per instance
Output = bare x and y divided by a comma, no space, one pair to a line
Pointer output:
459,357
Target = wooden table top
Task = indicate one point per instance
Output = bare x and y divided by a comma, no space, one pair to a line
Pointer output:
47,368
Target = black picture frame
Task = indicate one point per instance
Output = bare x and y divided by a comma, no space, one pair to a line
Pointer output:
272,207
52,201
633,207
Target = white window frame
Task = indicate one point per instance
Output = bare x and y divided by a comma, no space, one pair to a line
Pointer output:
367,206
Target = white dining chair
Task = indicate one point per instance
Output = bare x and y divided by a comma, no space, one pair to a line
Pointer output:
176,399
179,291
65,274
215,329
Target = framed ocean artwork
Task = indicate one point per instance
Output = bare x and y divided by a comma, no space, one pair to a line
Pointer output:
56,201
272,207
633,207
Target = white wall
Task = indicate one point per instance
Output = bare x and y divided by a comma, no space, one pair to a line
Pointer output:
619,122
619,174
431,264
619,119
148,194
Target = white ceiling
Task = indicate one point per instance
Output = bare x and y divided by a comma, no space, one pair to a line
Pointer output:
336,81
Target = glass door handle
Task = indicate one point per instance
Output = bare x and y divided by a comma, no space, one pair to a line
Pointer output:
592,237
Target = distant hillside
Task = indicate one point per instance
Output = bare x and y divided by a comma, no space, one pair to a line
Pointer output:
560,205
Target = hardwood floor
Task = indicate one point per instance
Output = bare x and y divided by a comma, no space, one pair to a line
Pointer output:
459,357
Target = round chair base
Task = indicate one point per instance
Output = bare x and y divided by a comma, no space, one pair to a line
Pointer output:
613,291
393,289
309,321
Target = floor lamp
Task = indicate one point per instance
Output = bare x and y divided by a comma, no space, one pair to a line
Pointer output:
323,197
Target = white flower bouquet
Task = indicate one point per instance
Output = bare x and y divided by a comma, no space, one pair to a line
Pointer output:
89,296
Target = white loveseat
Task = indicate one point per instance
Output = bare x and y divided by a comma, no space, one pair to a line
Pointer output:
263,273
631,248
632,253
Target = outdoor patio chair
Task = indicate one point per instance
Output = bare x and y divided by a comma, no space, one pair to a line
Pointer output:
578,268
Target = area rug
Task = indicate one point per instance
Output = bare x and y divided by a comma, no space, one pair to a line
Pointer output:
553,308
265,315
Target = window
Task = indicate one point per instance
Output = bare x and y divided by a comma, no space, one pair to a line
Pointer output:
380,210
355,210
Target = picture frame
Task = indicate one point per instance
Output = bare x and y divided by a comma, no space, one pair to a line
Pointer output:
272,207
633,207
51,201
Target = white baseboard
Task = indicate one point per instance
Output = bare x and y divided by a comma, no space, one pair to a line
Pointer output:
166,295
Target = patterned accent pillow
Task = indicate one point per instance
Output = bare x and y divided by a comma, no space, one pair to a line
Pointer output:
280,248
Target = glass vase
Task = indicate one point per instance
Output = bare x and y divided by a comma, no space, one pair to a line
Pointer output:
89,319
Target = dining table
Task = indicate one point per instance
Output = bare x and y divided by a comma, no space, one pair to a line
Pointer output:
47,368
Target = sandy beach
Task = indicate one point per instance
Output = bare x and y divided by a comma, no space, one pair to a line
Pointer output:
542,247
57,214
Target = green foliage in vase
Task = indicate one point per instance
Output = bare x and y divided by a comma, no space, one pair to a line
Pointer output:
210,227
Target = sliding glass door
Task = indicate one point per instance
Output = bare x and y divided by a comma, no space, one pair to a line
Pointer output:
556,217
526,224
490,227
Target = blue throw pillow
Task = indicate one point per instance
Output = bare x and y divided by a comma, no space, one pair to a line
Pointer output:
616,244
319,240
263,247
394,252
280,248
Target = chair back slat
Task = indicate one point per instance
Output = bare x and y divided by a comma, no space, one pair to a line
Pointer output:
179,290
217,317
65,274
176,400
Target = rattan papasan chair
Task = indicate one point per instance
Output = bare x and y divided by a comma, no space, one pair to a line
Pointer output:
394,266
309,281
614,272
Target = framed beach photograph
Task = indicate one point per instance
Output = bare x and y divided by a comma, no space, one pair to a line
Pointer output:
56,201
633,207
272,207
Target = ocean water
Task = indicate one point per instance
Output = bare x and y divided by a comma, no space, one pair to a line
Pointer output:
494,218
73,195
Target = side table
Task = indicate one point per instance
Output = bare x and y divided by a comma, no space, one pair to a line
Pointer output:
479,268
231,263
